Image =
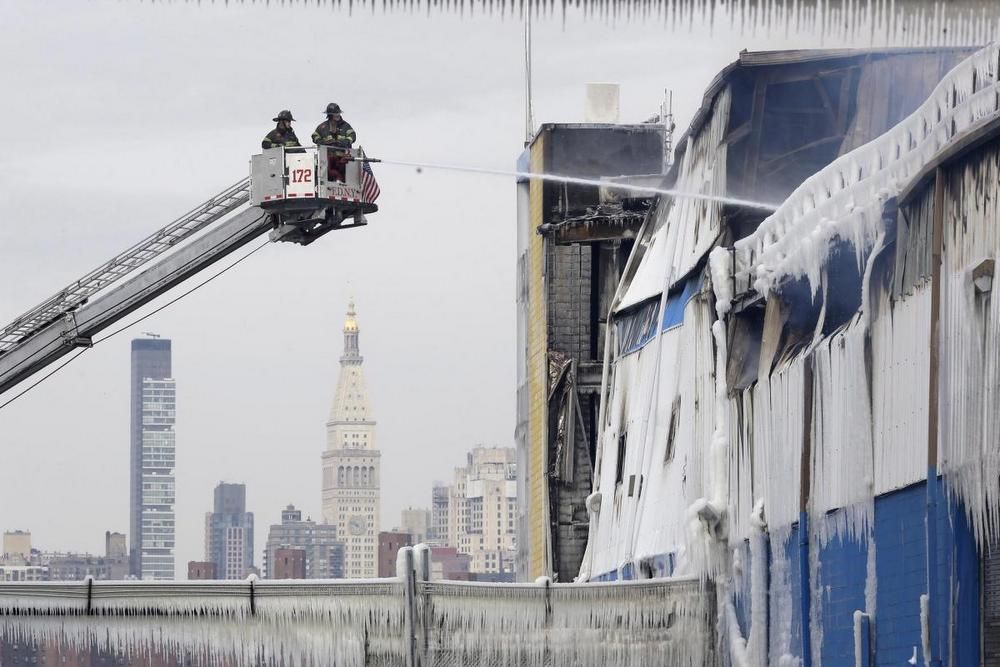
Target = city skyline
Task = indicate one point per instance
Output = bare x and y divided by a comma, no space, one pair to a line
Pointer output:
351,517
256,348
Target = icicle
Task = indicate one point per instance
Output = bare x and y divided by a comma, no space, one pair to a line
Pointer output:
757,640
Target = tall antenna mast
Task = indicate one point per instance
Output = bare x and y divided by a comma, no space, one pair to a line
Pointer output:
667,118
529,123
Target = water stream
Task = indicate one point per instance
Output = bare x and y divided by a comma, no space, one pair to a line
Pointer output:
575,180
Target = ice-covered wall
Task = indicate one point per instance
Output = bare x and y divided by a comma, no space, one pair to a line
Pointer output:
845,373
660,405
969,455
900,368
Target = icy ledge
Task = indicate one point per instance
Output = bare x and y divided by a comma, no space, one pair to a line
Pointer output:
844,200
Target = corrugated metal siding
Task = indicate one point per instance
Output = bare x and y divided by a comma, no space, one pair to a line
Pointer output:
900,368
913,245
970,338
991,605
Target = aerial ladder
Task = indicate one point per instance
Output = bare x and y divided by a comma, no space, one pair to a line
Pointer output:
296,194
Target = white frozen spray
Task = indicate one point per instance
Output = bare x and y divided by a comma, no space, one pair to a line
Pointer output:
576,180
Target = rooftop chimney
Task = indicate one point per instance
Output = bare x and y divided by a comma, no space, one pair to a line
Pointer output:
601,105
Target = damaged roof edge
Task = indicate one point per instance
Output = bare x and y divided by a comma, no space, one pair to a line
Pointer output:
769,58
633,127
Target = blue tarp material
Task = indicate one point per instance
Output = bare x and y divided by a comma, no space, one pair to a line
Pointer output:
673,315
639,326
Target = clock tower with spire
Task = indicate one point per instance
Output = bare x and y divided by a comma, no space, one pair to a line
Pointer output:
351,463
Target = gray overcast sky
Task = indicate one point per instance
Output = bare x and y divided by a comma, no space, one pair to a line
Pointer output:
120,116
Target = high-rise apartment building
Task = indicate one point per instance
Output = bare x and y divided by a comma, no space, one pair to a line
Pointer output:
229,532
351,466
323,553
152,454
416,522
438,534
483,508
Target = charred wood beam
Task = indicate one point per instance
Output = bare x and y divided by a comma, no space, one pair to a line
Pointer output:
592,230
739,133
775,164
588,376
756,133
827,102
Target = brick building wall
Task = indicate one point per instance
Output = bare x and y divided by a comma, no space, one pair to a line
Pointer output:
389,544
201,570
289,563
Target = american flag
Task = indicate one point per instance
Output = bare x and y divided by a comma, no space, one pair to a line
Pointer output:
369,188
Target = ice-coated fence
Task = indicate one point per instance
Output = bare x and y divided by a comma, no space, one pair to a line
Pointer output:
406,621
649,622
213,622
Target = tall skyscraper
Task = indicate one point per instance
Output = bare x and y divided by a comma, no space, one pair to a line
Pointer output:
351,467
229,532
152,453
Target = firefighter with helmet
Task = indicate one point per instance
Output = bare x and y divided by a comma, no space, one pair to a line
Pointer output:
283,134
337,133
334,131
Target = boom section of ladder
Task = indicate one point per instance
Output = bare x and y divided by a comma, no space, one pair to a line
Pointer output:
78,328
146,250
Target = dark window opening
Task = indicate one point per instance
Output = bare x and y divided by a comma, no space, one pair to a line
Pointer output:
620,464
675,417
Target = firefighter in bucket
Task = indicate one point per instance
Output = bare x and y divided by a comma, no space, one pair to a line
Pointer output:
337,133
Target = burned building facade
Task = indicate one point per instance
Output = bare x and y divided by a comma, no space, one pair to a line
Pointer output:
573,241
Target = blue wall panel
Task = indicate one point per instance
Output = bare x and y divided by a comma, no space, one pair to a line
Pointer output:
958,586
742,603
901,569
900,565
842,576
